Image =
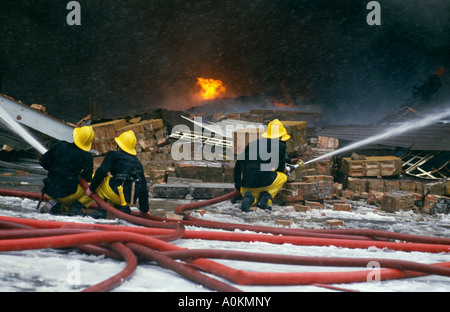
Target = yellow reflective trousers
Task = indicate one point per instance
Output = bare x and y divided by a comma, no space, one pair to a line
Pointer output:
79,195
271,189
105,192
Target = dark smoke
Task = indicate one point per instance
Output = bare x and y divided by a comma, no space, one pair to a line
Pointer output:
130,56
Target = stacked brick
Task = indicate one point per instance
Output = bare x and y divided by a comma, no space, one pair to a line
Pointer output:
266,115
397,200
397,195
377,166
296,129
327,142
204,171
435,204
104,134
311,188
364,188
152,146
305,189
298,132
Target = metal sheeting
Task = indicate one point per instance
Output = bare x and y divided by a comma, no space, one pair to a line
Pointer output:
431,138
36,120
42,127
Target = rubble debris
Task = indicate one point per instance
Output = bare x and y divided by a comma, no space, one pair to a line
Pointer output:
312,188
191,190
173,216
152,144
149,134
403,114
202,212
301,208
284,222
206,171
334,222
333,182
342,207
397,200
299,136
327,142
312,114
39,107
243,137
427,164
171,190
436,204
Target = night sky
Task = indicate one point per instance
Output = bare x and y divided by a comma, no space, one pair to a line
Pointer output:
129,56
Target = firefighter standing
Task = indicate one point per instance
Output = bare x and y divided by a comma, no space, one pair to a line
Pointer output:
257,185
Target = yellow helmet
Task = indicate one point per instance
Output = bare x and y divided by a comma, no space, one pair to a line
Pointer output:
82,137
127,142
275,129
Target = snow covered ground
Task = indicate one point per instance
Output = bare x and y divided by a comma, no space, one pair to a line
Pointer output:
68,270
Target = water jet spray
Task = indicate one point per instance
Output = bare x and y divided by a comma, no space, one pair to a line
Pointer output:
16,127
396,130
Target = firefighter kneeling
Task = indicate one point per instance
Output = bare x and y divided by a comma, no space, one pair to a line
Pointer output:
255,175
120,178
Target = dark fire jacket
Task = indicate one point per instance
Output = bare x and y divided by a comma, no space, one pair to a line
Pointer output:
124,168
66,164
247,170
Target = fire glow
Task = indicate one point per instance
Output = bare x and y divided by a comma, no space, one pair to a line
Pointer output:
282,105
210,88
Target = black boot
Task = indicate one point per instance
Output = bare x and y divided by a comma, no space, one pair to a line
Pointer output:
125,209
55,209
99,214
247,201
75,209
264,201
235,199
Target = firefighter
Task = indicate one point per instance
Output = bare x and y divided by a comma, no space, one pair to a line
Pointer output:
120,172
66,164
258,184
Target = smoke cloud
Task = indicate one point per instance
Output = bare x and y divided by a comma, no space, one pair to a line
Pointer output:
132,55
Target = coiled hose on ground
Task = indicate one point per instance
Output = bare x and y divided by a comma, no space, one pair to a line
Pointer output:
151,239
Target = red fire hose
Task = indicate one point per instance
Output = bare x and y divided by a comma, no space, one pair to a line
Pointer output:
302,260
117,279
150,239
178,227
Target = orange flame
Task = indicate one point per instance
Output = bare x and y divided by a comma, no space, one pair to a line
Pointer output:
211,88
280,104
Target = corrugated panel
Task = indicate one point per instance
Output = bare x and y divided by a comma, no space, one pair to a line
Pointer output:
431,138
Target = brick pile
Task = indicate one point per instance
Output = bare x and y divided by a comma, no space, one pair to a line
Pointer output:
311,188
298,132
371,179
204,171
267,115
397,200
296,129
149,134
376,166
152,146
396,195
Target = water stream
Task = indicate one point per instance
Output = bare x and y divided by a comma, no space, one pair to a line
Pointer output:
16,127
391,132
